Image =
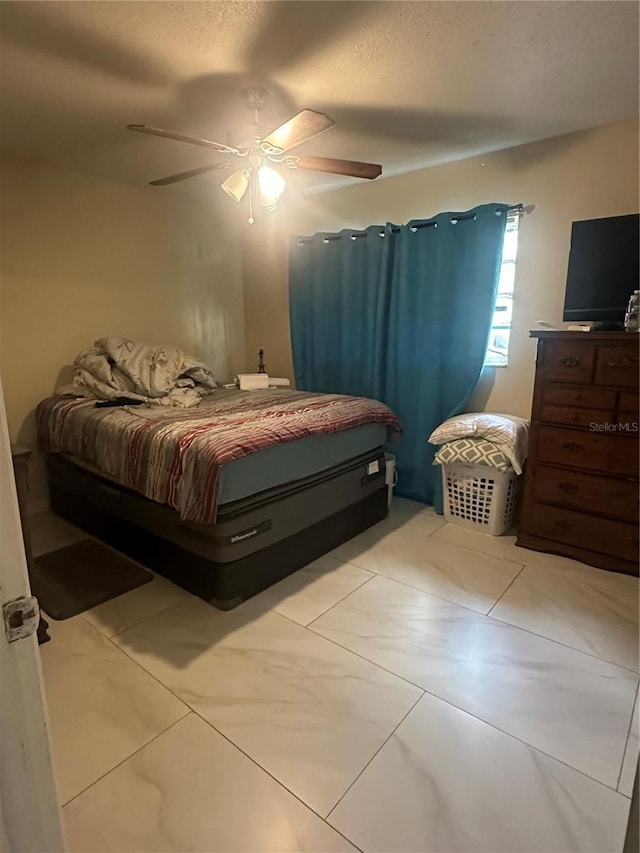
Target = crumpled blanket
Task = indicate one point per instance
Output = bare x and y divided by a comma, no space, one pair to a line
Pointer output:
157,375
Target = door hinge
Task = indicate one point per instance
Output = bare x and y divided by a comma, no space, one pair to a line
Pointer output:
21,617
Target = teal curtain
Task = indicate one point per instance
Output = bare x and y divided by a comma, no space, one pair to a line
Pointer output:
340,290
401,314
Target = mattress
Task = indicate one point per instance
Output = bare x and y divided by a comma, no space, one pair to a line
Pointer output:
251,441
296,460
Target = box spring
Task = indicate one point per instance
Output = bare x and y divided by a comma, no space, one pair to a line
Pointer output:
255,542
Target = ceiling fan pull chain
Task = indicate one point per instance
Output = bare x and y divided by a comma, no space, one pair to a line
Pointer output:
258,177
251,180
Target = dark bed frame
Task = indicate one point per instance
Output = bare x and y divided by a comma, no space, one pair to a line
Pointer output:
255,542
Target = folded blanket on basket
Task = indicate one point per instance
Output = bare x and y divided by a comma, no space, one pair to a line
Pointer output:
473,451
508,433
118,367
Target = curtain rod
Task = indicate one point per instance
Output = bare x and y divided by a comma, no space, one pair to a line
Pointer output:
357,235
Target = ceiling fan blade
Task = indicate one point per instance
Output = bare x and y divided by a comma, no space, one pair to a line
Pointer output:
304,125
179,137
352,168
192,173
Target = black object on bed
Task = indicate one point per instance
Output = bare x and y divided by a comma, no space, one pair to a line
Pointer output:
74,579
256,540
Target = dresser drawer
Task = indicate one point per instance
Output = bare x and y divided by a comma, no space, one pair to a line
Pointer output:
628,410
575,396
587,492
585,531
628,402
565,361
617,365
628,422
575,417
606,452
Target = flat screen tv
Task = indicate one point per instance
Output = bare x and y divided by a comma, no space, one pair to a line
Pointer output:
603,269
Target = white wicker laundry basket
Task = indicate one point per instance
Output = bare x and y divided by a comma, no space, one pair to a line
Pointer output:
479,498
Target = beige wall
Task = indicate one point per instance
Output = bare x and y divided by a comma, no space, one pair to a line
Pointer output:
81,258
579,176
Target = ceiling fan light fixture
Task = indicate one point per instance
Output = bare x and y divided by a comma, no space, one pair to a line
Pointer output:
271,185
262,184
236,184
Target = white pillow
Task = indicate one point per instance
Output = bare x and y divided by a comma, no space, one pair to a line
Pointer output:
509,432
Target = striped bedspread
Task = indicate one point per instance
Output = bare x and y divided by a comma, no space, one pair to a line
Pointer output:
174,456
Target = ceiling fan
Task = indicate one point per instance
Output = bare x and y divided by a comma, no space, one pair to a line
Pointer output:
255,175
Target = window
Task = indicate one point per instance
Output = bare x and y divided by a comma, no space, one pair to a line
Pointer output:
498,348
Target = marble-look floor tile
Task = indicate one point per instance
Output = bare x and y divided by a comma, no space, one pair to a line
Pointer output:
628,773
502,546
49,532
405,551
414,508
102,706
135,606
412,518
591,610
309,592
568,704
190,789
307,711
448,783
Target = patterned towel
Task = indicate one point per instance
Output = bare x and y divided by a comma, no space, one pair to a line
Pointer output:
473,451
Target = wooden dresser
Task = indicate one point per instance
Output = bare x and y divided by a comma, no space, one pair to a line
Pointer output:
581,479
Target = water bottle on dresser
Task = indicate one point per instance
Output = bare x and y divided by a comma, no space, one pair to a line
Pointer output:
632,317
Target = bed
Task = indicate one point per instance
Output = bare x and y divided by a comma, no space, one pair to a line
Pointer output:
229,497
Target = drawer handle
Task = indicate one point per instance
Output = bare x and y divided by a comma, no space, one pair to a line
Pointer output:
570,361
562,524
573,446
577,397
575,418
567,487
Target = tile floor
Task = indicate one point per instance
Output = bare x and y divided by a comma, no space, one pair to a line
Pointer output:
422,688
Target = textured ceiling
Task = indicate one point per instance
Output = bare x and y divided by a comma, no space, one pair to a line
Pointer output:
409,84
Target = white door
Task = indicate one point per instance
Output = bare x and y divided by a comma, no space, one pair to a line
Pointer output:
29,810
